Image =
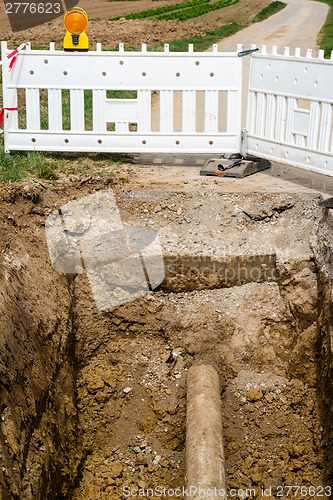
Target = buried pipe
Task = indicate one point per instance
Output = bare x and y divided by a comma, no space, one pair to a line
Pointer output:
205,476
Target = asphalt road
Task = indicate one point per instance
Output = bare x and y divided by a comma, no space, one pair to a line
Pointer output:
297,25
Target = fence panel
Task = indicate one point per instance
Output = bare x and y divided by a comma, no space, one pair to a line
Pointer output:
289,116
123,101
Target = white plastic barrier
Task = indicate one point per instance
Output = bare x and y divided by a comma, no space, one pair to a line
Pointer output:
289,117
182,102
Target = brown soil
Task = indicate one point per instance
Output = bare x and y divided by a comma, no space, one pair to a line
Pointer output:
133,32
94,402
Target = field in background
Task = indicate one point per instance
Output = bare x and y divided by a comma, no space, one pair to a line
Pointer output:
143,21
180,11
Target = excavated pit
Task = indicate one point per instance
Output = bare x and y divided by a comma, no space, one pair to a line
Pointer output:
93,403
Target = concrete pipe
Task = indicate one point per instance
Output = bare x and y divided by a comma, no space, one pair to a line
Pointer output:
205,476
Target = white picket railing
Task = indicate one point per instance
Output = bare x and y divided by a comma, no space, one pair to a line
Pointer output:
178,102
183,102
289,117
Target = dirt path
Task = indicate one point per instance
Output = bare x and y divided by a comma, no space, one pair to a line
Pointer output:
297,25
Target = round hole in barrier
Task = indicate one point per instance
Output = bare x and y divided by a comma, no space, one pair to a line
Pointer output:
211,142
177,142
65,73
33,140
144,142
32,72
46,61
177,74
66,141
211,74
144,74
99,141
197,63
104,74
121,62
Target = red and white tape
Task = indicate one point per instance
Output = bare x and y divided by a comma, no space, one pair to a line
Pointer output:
13,55
2,113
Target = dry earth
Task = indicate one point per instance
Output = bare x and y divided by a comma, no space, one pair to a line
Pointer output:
94,402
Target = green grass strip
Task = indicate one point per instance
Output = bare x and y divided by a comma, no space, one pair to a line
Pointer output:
325,38
144,14
195,11
28,164
268,11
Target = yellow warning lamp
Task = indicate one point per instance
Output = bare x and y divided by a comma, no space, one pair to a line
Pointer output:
76,22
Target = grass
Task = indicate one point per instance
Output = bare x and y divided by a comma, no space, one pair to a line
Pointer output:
145,14
268,11
28,164
20,165
196,11
325,39
49,166
180,11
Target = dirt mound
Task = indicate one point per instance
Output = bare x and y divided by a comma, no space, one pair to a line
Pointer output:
93,403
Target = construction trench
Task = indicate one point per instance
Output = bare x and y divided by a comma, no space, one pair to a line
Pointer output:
94,404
